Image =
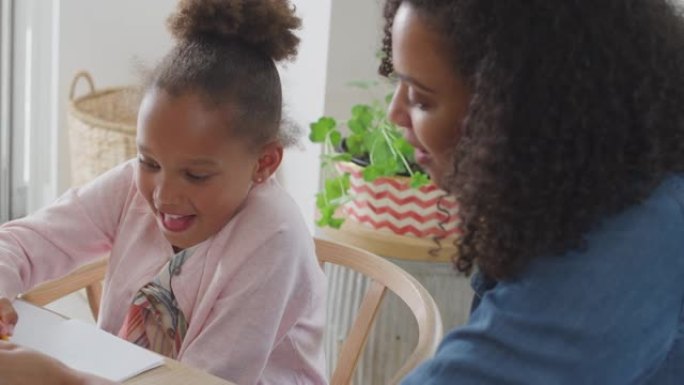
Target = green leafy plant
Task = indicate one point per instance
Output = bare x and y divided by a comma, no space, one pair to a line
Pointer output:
371,141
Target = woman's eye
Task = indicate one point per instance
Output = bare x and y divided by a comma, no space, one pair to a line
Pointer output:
418,104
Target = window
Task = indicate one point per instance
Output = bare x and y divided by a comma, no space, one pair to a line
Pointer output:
5,108
28,99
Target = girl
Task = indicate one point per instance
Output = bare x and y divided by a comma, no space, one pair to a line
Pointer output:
210,261
559,126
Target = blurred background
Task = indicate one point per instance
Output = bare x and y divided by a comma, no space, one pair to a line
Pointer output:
44,43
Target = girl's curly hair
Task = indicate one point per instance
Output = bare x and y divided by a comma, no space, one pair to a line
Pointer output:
577,112
226,50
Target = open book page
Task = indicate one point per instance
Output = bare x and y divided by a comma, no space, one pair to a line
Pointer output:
80,345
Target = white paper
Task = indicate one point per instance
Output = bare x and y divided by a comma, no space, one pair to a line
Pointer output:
80,345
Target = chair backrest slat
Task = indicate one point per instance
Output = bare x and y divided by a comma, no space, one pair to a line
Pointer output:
384,276
358,334
89,276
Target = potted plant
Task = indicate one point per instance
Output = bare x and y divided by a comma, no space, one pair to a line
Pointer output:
370,176
388,205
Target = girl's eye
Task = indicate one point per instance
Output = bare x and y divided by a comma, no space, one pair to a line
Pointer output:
148,164
194,177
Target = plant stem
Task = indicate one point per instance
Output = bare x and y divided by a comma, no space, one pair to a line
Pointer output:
396,153
329,148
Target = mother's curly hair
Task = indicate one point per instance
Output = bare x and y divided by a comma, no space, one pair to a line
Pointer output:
577,112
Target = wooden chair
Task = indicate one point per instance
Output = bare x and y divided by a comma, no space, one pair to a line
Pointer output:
384,276
89,276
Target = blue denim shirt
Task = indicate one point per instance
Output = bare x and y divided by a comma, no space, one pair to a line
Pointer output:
608,314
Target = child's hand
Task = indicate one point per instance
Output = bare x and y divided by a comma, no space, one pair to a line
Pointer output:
8,318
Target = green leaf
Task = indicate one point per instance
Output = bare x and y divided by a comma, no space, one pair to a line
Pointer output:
372,172
363,113
321,201
321,128
404,147
356,127
322,222
327,213
382,155
361,122
335,223
345,179
337,187
419,179
335,138
344,157
356,145
371,140
388,98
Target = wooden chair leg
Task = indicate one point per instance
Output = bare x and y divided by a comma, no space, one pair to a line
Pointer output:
94,293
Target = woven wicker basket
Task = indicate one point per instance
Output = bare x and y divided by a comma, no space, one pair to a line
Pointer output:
102,127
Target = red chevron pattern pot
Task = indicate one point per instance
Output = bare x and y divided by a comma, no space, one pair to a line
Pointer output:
391,204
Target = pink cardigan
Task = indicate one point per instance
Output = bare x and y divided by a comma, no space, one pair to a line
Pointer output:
253,293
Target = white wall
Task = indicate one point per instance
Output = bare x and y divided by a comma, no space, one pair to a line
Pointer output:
304,89
355,39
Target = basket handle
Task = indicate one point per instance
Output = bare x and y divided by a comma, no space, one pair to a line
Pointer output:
81,75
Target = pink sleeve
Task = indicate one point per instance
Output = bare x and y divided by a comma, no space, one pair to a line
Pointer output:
251,326
78,227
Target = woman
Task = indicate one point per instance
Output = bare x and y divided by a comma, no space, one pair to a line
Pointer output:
559,126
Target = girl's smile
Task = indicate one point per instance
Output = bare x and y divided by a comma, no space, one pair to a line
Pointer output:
176,223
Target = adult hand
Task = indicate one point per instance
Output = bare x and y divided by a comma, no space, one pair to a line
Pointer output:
8,317
22,366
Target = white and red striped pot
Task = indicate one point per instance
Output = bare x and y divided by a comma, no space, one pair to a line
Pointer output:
391,204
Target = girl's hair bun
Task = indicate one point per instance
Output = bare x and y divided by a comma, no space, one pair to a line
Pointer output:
267,25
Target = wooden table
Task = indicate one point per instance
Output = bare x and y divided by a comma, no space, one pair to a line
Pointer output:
176,373
171,372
